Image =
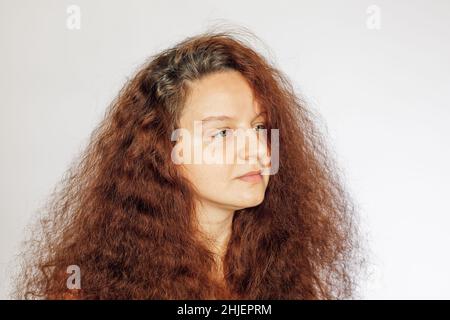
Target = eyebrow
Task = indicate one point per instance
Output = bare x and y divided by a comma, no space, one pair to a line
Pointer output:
224,118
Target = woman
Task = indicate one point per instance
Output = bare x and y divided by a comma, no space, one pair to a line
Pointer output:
141,220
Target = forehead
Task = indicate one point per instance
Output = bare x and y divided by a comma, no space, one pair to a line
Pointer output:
222,93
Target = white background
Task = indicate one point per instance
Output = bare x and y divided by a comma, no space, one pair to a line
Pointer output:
383,95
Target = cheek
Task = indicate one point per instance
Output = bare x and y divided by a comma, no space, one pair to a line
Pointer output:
207,176
206,170
266,180
219,151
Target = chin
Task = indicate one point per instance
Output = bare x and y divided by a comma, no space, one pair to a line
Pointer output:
250,200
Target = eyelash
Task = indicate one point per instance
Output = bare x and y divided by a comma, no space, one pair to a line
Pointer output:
226,129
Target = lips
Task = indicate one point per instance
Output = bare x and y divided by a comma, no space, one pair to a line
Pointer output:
251,173
252,176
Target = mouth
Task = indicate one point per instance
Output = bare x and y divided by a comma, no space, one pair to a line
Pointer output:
252,176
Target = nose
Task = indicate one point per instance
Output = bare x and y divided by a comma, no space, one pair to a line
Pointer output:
251,146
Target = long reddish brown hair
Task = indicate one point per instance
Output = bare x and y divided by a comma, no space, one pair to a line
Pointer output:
123,212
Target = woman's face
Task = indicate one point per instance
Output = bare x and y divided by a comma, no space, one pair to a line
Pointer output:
223,126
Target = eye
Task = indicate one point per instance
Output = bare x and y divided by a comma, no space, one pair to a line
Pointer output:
222,133
261,126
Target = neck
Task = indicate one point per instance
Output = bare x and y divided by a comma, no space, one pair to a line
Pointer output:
215,224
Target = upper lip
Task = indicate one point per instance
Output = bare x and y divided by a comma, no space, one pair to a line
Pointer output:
251,173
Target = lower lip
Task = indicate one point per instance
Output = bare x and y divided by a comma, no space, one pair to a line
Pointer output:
251,178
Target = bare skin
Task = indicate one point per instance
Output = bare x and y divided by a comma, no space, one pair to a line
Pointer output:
219,191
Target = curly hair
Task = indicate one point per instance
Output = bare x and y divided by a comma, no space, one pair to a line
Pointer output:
124,213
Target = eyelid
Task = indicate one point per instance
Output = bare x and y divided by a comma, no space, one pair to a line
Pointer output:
263,123
264,120
210,134
220,129
228,128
